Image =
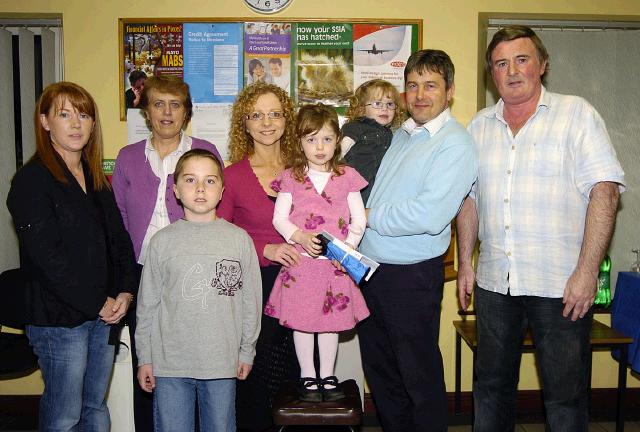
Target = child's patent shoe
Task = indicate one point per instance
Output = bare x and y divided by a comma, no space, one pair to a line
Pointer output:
305,391
331,389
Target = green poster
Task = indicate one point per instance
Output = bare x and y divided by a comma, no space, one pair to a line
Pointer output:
108,165
324,63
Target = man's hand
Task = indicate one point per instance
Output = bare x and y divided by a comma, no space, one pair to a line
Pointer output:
145,377
467,225
282,253
466,281
243,371
579,294
581,287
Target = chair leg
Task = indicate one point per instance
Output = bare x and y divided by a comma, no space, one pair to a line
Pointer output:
281,429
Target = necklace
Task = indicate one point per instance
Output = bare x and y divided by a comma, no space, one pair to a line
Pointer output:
274,171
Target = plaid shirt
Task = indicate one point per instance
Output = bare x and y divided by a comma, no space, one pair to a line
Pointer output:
533,191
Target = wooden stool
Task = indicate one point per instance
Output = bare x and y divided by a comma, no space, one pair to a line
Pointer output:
288,410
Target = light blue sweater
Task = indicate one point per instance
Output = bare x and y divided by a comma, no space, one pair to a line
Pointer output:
419,189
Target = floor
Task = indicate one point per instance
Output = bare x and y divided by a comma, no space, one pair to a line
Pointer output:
593,427
9,424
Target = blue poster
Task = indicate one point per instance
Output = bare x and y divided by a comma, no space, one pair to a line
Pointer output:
213,61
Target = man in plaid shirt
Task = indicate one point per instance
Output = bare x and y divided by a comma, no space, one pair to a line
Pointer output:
543,208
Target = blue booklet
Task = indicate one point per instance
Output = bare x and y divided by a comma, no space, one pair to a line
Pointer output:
357,265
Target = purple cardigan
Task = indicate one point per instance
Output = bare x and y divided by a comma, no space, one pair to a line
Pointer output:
245,204
136,189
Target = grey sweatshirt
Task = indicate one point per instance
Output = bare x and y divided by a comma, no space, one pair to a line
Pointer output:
200,298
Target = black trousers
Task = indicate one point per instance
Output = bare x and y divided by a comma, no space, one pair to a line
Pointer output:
275,362
142,401
399,346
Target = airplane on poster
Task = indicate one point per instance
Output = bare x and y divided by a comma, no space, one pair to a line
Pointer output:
374,50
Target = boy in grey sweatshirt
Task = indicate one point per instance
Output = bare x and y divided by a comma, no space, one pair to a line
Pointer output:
199,306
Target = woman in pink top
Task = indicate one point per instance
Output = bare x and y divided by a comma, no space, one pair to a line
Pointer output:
262,141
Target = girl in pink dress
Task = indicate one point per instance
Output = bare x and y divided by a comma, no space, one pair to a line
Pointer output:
317,194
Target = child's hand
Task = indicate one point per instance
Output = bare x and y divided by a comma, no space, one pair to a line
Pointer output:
337,264
308,241
145,377
243,371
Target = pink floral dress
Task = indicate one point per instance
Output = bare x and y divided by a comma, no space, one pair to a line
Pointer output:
315,296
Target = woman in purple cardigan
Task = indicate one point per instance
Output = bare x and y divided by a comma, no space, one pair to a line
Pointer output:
262,139
143,185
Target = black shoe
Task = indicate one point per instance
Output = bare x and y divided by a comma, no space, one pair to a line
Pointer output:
332,393
307,394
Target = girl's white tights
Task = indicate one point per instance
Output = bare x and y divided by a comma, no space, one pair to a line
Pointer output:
327,350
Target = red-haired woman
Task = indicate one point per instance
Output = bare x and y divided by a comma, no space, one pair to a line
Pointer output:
78,256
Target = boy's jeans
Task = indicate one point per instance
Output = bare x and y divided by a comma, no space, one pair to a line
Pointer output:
174,404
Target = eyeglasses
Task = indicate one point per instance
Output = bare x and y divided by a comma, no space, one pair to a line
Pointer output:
257,116
381,105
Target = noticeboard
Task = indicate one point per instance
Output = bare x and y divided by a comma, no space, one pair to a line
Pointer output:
314,60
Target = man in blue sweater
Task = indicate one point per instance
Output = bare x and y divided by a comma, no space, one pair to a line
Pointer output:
423,179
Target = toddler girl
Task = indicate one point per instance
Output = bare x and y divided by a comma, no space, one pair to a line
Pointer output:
317,193
375,108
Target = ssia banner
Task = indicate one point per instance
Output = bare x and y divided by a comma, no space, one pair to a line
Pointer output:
324,63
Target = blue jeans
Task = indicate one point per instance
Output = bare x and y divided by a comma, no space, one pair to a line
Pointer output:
174,402
76,366
563,354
